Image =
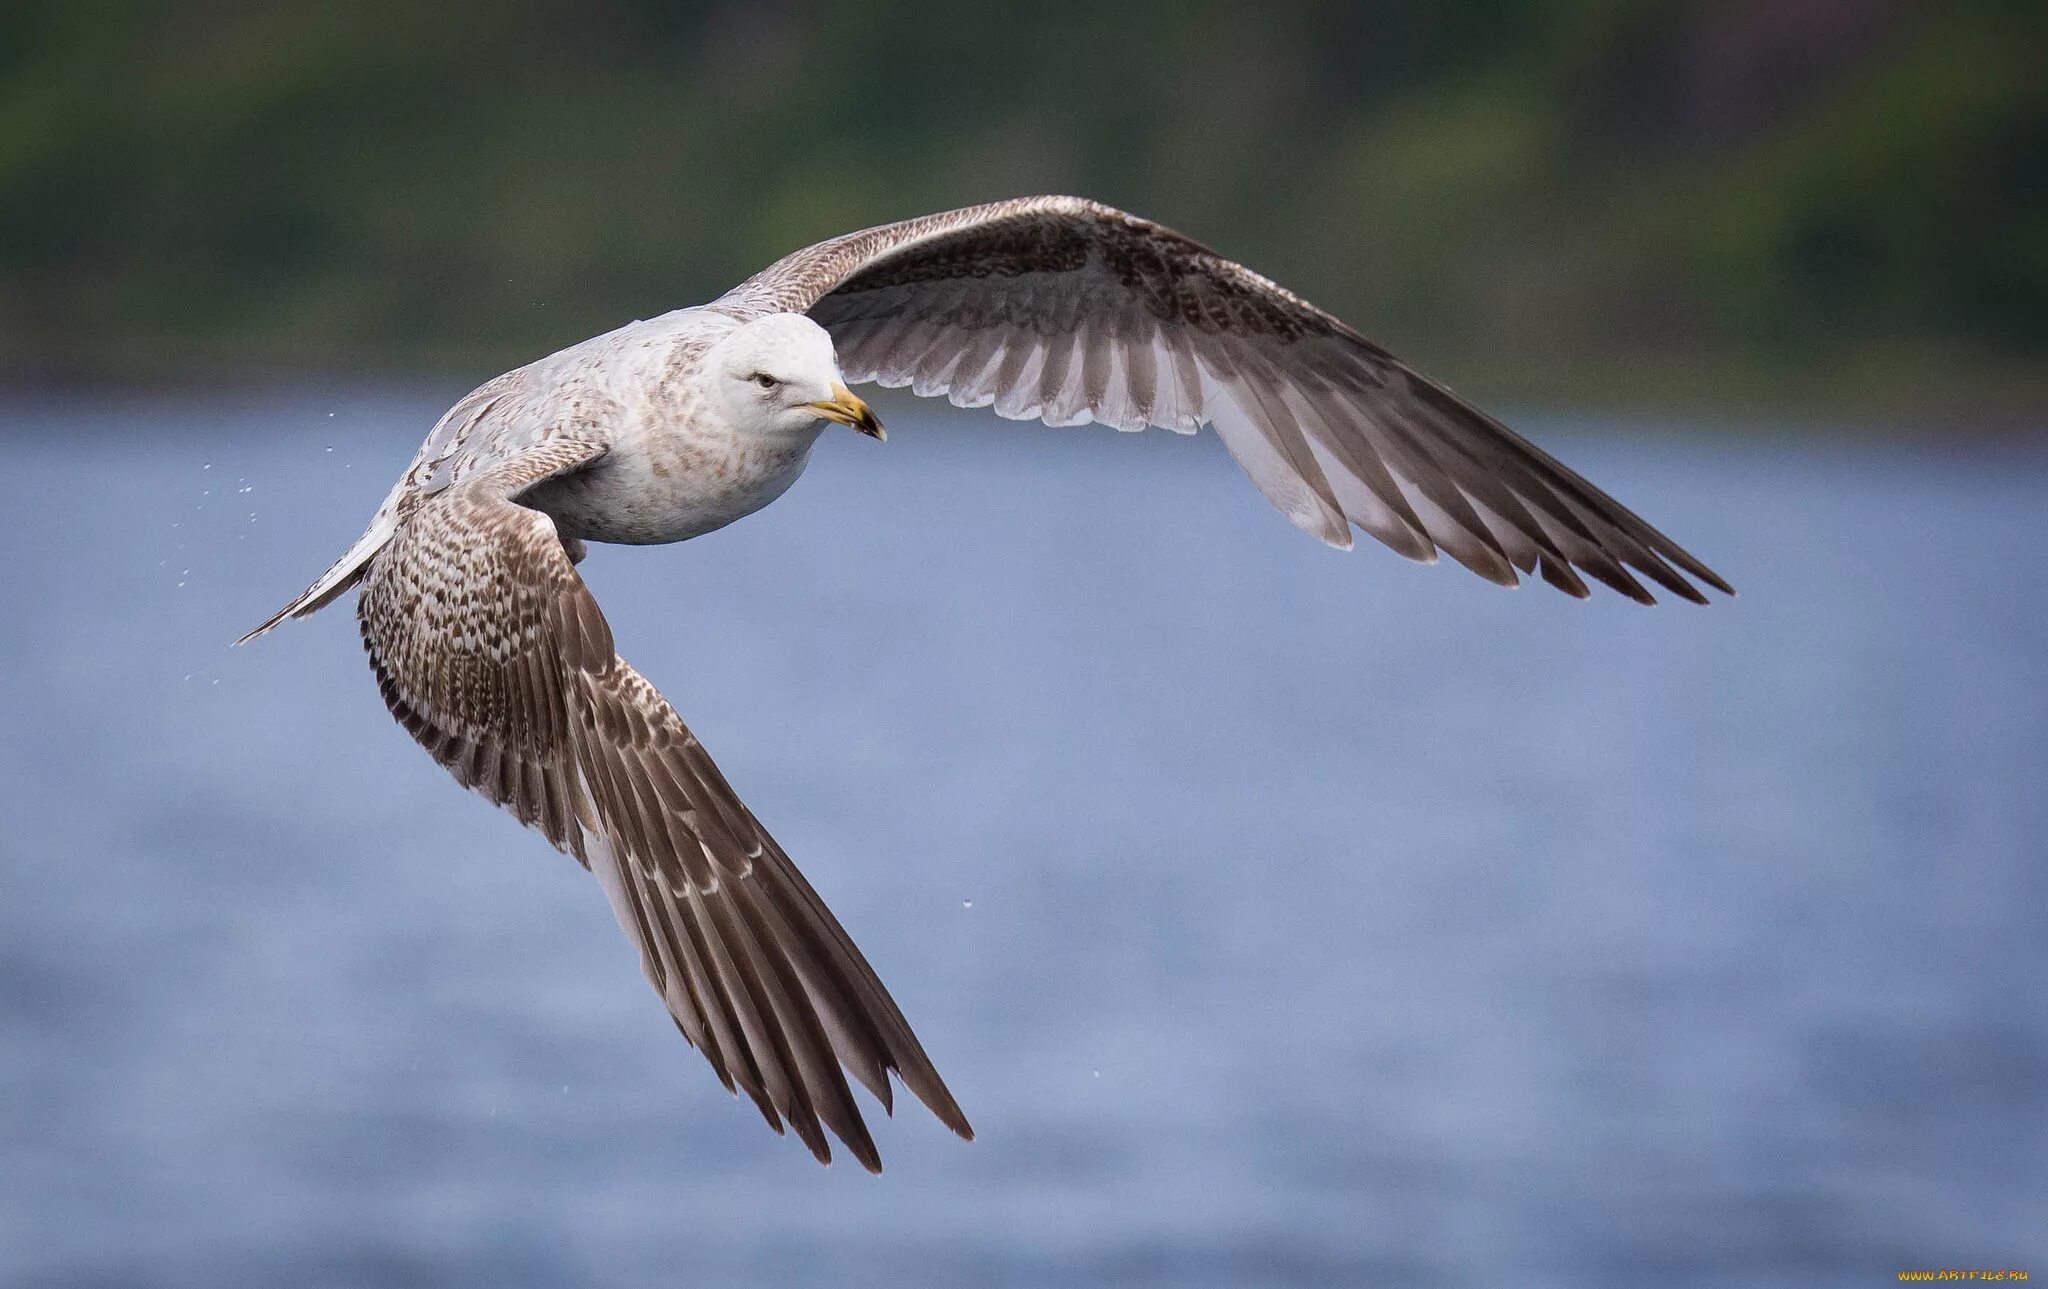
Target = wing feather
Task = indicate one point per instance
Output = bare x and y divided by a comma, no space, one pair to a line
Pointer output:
1141,374
1052,377
490,651
1065,310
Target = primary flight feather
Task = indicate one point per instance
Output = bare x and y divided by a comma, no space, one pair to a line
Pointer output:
490,651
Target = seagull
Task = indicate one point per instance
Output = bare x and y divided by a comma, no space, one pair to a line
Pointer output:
489,649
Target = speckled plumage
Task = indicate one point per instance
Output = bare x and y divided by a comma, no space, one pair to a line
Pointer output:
489,649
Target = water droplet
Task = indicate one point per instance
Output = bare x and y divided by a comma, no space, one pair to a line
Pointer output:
967,904
1098,1074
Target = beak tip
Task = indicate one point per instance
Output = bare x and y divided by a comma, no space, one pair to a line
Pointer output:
847,408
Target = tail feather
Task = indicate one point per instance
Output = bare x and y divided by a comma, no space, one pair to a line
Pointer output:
345,573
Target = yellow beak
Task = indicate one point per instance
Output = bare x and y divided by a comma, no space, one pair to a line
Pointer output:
846,408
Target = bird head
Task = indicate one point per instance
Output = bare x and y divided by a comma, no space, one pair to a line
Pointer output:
779,375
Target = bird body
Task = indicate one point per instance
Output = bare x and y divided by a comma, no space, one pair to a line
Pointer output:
488,648
670,473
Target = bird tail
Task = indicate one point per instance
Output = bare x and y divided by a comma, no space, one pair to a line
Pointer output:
340,576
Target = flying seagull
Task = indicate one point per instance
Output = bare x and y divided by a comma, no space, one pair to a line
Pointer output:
490,651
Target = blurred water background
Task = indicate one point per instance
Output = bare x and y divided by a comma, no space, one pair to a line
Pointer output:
1279,916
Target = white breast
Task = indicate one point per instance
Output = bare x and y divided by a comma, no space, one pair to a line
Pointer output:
668,487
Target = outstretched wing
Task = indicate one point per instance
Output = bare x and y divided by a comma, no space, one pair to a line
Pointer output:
1064,310
492,653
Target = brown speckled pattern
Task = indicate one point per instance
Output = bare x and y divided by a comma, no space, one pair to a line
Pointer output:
490,651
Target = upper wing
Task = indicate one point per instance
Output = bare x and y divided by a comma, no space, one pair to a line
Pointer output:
1065,310
492,653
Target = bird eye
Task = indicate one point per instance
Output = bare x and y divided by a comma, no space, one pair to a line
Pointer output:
764,380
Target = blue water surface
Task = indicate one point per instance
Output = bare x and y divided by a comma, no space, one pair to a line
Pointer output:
1279,916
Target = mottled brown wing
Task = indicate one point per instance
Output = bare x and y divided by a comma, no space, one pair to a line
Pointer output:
1064,310
492,653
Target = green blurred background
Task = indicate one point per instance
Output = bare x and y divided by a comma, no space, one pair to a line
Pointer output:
1829,208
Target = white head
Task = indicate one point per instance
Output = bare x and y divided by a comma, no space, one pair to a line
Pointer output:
778,375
